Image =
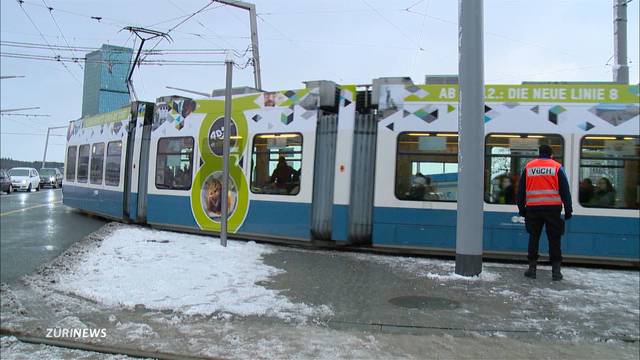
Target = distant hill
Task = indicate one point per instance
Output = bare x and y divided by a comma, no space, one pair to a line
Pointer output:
8,163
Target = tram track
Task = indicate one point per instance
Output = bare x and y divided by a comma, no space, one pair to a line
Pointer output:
30,338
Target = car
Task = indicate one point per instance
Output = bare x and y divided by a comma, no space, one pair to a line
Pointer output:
50,177
5,182
24,178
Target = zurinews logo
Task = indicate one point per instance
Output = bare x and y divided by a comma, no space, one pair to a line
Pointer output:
76,333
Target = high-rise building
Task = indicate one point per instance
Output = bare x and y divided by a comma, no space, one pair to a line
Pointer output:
105,75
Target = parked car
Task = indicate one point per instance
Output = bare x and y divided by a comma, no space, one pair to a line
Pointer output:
23,178
50,177
5,182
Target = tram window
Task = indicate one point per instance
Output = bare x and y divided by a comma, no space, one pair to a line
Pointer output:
97,163
71,163
114,159
506,156
276,164
83,163
174,163
609,168
427,166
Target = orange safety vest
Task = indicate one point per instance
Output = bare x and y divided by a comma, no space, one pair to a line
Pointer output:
542,184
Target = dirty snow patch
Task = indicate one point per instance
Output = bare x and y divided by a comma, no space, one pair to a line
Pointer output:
191,274
440,270
484,276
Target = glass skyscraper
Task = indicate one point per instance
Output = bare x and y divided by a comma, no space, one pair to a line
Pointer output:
105,75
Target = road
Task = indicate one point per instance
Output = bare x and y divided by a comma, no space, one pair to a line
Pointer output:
35,228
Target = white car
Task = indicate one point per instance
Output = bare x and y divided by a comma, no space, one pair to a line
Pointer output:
23,178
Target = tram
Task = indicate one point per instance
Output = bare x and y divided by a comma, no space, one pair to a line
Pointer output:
371,166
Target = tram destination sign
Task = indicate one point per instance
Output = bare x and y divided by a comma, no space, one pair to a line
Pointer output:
107,118
534,93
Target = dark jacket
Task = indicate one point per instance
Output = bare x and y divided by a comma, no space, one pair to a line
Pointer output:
565,194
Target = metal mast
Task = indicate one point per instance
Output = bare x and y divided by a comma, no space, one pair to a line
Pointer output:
469,228
254,36
620,67
224,216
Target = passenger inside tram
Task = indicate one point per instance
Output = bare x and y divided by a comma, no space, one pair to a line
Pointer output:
586,190
284,176
503,190
507,193
418,188
605,194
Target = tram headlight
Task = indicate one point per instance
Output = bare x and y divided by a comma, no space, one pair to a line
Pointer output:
52,179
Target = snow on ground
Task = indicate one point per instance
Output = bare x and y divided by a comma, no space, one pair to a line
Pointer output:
145,287
442,270
187,273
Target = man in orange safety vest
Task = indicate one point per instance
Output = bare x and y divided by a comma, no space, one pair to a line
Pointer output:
543,189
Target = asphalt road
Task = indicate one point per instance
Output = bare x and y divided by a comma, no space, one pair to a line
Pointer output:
35,228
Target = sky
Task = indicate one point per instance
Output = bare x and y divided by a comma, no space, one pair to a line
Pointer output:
349,42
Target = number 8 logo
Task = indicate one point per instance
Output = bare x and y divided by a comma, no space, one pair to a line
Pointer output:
206,192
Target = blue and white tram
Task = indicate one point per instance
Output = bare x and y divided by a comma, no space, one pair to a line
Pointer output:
593,134
103,161
372,166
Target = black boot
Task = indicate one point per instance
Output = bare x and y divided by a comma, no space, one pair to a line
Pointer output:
531,271
556,275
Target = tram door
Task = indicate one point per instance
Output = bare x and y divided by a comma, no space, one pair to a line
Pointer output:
136,163
323,179
362,179
324,159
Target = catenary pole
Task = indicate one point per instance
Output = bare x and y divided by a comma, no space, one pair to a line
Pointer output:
226,144
46,143
253,24
620,67
471,138
254,47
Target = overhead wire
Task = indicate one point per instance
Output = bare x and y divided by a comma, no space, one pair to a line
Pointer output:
421,36
21,33
180,51
405,35
178,24
490,33
58,26
235,16
223,49
410,9
29,134
400,31
289,39
97,18
530,75
62,59
26,115
30,123
232,47
20,2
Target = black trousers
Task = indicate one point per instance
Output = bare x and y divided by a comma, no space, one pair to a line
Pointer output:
551,219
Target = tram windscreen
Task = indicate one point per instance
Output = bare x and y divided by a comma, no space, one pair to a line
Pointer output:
71,163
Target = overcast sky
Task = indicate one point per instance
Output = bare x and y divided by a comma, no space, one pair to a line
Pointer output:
345,41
